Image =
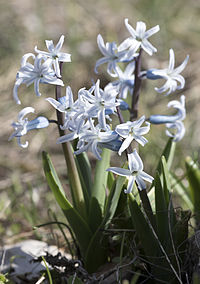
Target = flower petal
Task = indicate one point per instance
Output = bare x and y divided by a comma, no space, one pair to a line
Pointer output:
119,171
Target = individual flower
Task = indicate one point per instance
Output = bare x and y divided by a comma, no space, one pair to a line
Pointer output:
40,72
134,173
55,54
139,38
170,74
64,104
132,130
173,121
126,80
111,55
101,102
180,115
92,139
23,125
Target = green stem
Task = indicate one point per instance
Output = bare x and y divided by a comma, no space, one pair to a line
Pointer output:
74,180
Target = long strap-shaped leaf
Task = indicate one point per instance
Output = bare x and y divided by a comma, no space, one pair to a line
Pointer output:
168,153
93,261
193,173
77,223
99,191
85,175
161,266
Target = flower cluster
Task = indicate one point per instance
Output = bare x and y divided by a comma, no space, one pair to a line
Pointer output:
89,118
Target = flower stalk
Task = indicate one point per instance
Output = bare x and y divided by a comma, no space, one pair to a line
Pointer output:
75,184
137,87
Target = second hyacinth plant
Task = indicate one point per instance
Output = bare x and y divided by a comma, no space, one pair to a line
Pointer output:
117,214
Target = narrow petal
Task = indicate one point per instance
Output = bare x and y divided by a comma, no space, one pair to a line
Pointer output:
64,57
25,145
130,29
134,161
125,144
15,89
100,62
131,182
102,119
59,44
36,87
126,44
24,112
152,31
171,60
181,67
25,58
101,45
164,88
146,176
45,53
50,45
141,184
95,150
179,128
57,105
66,138
181,80
141,140
119,171
57,67
148,47
140,29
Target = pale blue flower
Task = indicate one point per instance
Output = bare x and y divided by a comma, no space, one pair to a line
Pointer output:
126,80
55,54
91,139
100,102
139,38
170,74
111,55
132,131
23,125
173,121
40,72
134,173
65,103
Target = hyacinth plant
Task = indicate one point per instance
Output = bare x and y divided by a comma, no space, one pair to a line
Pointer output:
94,122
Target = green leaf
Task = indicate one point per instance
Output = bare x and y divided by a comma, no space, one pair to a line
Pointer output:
161,211
168,153
144,232
166,180
99,191
193,174
74,180
113,200
85,174
160,268
182,192
93,261
77,223
110,180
